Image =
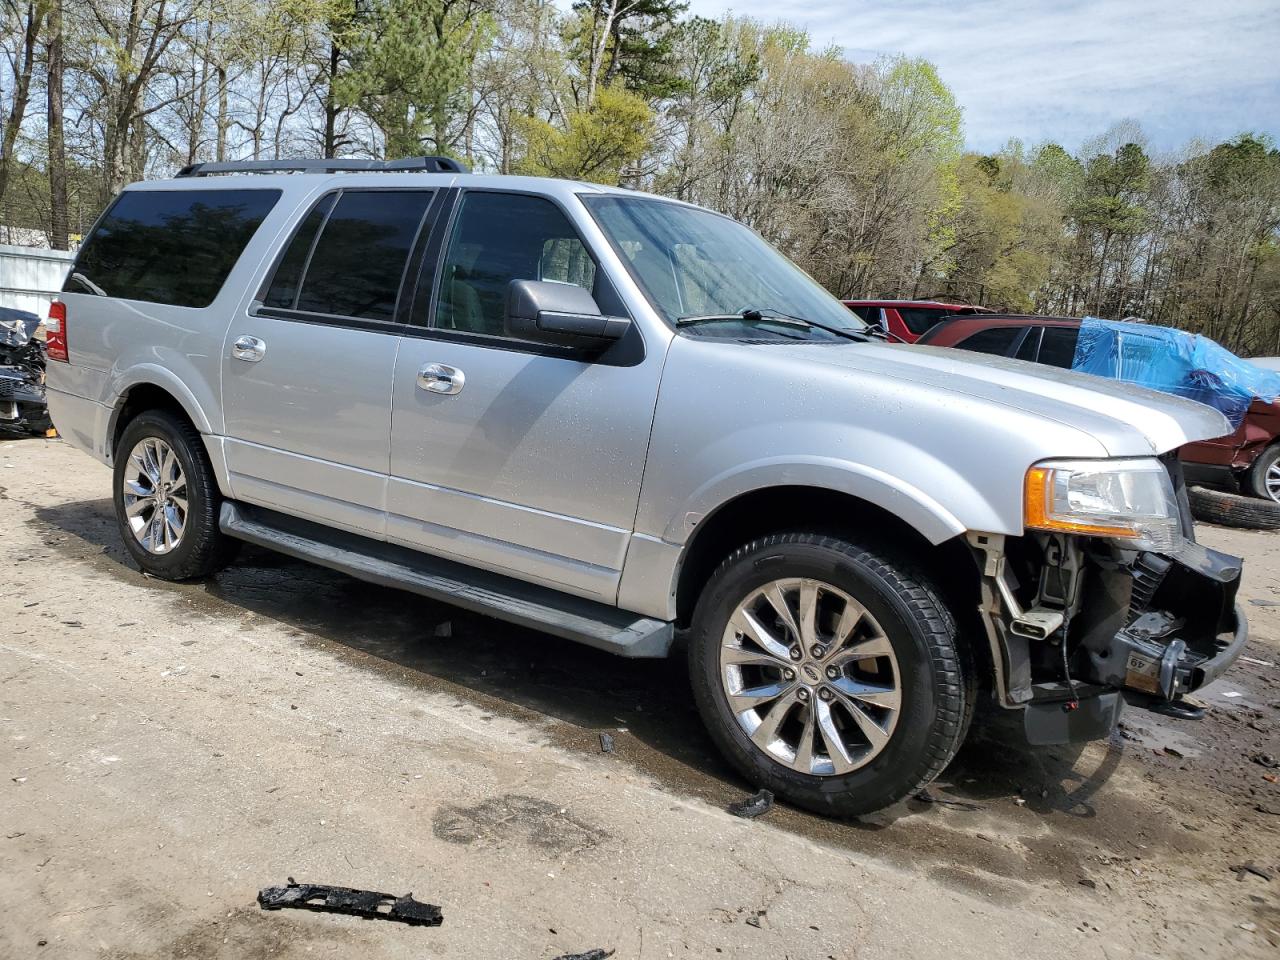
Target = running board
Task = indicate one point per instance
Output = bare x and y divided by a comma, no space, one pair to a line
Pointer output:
540,608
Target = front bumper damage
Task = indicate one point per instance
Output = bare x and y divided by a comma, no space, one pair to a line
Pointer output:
1076,626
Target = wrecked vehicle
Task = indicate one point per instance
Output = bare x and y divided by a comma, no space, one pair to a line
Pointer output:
22,372
618,418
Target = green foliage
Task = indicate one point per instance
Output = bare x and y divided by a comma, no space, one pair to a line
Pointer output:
409,61
596,143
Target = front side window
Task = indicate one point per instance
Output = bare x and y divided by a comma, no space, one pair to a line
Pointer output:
355,265
693,263
169,246
497,238
995,340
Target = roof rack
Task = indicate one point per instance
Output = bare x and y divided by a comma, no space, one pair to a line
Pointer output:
406,165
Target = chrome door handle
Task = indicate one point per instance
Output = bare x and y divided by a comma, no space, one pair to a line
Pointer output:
249,348
441,378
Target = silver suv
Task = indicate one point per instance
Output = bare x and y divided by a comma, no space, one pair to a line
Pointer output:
629,421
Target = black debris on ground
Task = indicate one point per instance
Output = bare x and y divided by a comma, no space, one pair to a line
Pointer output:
606,743
352,902
596,954
924,796
756,805
1244,869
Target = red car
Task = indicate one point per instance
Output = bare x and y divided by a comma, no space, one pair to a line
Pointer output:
906,320
1246,460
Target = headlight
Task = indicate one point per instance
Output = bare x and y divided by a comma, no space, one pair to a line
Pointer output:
1130,500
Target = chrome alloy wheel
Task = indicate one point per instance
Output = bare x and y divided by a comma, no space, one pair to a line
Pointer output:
1272,481
155,496
810,677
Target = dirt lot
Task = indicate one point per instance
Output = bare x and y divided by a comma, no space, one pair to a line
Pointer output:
165,751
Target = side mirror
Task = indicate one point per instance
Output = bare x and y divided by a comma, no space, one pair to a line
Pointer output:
561,314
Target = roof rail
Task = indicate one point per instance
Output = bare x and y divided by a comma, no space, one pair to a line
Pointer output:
406,165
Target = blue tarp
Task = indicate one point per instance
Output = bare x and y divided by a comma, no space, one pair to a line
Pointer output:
1173,361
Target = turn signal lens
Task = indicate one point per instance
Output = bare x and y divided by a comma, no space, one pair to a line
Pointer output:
1129,500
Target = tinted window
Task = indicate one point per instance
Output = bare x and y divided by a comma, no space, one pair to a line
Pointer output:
995,340
1030,346
169,246
497,238
920,319
1058,348
358,261
284,285
869,314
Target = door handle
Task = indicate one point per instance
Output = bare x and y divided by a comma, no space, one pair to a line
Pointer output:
249,348
441,378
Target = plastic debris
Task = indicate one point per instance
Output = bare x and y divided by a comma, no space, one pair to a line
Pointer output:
924,796
444,629
756,805
596,954
350,901
606,743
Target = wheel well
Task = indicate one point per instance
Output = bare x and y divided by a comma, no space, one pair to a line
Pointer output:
950,565
138,399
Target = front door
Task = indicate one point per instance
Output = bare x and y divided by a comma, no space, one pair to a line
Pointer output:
506,455
307,371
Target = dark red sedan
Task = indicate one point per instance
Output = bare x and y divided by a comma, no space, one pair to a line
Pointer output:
906,320
1248,459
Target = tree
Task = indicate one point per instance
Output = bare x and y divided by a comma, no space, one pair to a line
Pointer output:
27,21
409,63
596,143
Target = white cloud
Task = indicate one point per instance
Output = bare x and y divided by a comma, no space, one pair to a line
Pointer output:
1067,70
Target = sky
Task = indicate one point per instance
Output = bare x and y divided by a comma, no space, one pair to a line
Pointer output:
1065,70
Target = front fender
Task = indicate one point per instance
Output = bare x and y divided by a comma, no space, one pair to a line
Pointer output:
903,499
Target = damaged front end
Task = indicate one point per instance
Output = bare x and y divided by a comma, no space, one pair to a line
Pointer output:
1078,624
23,409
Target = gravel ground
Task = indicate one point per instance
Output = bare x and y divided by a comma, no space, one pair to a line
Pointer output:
166,750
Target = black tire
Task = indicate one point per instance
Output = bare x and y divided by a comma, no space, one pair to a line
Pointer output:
203,548
937,685
1233,510
1256,477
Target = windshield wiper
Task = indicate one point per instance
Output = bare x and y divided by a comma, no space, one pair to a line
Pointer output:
768,313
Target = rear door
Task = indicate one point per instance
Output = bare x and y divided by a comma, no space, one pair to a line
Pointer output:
307,367
528,460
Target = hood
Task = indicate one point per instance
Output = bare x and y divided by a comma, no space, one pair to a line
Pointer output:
1127,420
17,327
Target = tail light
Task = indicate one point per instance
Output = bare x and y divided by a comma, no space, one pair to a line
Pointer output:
56,332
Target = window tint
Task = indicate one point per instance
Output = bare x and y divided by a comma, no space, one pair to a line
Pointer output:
497,238
169,246
359,259
1058,348
920,319
1030,346
995,340
869,314
284,285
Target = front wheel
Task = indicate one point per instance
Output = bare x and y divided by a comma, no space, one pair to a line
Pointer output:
828,672
1263,477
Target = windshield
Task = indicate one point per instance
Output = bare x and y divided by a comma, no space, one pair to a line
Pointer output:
692,263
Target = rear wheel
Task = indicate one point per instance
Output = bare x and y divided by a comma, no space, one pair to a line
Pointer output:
167,500
828,672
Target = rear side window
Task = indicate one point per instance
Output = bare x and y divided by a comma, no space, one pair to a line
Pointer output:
169,246
995,340
1058,348
920,319
869,314
348,255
